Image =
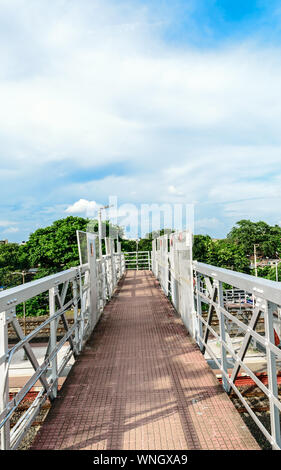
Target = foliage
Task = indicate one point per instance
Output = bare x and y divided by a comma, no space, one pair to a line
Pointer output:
222,253
54,248
268,238
201,247
227,255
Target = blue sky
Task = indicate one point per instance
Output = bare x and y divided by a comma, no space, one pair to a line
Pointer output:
150,101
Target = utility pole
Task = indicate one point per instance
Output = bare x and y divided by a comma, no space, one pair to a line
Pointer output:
255,260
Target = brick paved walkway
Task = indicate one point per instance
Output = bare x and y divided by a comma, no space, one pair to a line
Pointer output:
142,384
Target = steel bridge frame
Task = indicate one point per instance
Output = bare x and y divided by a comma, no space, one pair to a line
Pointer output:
86,288
199,284
190,285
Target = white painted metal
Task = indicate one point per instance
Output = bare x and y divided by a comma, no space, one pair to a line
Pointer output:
190,286
172,265
86,289
137,260
261,299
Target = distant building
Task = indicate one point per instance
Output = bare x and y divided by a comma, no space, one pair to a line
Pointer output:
262,262
4,242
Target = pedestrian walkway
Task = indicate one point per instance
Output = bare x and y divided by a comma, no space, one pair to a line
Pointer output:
141,383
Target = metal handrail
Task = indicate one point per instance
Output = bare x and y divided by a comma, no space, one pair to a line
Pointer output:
207,295
78,282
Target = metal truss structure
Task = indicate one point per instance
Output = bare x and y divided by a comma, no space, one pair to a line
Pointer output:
84,289
234,318
215,302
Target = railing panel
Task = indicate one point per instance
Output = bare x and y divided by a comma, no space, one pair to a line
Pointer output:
137,260
76,289
239,335
235,321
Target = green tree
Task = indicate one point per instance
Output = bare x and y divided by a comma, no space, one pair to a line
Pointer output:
225,254
201,247
54,248
246,233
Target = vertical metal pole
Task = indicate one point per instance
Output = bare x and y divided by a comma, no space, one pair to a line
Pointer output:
4,381
255,259
77,321
119,259
199,313
100,234
272,374
113,263
53,341
24,316
91,247
221,316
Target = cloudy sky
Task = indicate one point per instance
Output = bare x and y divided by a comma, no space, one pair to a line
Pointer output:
151,101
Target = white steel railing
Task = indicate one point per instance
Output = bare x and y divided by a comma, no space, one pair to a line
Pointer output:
213,312
85,289
137,260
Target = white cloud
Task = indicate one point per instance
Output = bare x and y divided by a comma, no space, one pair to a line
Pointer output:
7,223
11,230
175,191
208,223
83,206
94,84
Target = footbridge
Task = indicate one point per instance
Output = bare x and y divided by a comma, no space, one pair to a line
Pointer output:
151,354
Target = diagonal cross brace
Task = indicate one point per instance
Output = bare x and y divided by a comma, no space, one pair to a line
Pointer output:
245,343
61,300
30,354
209,319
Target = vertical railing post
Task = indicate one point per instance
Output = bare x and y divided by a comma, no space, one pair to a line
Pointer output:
109,266
113,261
123,263
4,382
119,259
93,281
82,307
199,313
53,341
221,316
77,320
272,374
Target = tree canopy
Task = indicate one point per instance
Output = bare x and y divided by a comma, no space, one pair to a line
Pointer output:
54,248
246,234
